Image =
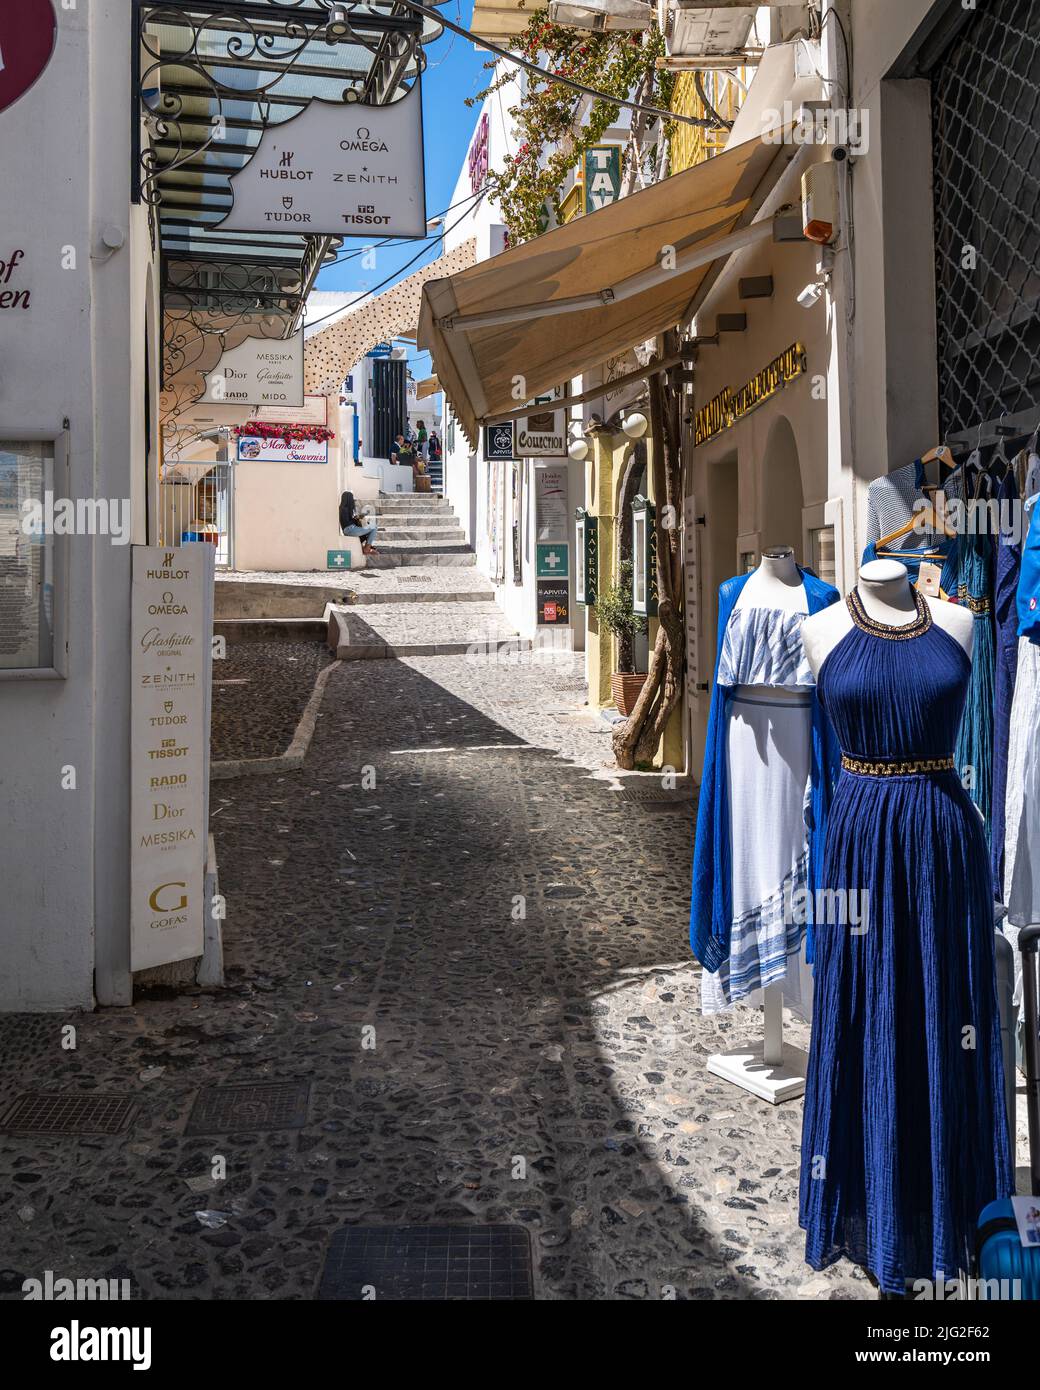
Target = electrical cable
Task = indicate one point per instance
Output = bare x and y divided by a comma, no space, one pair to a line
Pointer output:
394,275
702,122
698,82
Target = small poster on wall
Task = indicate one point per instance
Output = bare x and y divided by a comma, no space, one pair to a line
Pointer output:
552,602
551,516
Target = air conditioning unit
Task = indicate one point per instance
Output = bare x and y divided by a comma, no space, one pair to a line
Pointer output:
600,15
701,31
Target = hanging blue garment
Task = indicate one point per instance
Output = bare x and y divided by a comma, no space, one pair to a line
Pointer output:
1005,620
905,1132
711,913
974,751
1028,597
944,552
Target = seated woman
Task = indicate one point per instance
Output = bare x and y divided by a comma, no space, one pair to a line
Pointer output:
351,523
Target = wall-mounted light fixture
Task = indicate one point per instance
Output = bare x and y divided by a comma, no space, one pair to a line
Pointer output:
635,425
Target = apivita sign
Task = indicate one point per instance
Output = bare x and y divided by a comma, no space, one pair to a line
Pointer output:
338,169
259,371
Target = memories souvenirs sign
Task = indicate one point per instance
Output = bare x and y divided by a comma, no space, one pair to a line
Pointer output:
337,169
259,371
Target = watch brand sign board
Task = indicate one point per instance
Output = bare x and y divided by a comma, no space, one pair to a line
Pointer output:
338,168
170,666
259,371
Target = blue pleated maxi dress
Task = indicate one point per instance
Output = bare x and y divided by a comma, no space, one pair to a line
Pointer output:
905,1134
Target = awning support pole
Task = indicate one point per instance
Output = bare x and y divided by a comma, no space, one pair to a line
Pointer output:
702,254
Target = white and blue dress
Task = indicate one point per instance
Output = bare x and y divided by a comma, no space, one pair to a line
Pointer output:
769,762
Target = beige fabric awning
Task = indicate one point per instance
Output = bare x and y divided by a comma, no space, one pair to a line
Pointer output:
563,303
332,353
429,386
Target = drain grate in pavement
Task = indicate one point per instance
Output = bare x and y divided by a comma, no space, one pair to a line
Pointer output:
656,796
39,1113
264,1105
429,1262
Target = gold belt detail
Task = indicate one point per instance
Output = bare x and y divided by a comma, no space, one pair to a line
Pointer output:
866,768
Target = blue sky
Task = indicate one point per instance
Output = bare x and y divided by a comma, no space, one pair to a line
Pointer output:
455,70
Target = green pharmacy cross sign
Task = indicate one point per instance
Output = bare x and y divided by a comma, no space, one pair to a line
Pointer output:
337,559
552,560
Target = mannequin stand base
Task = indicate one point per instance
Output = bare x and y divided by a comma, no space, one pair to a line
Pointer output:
774,1082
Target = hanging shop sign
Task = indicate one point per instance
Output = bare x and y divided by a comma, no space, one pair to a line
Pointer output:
170,665
543,433
552,560
602,176
257,448
28,30
644,558
728,406
313,411
498,441
259,371
691,595
586,557
477,159
337,169
552,602
517,491
550,509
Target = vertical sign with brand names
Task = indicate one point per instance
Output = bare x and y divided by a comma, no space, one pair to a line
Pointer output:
170,669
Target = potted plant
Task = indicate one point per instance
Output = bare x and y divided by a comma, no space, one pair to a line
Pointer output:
614,611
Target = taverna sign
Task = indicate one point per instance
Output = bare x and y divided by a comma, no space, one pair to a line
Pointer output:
336,169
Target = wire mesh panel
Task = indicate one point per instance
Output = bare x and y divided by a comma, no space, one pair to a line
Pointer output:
986,138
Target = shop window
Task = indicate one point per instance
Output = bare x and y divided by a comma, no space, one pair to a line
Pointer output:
28,605
821,551
748,561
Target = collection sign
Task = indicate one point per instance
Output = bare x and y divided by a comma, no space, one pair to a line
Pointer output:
498,441
259,371
543,433
602,176
28,30
254,448
728,406
343,169
170,666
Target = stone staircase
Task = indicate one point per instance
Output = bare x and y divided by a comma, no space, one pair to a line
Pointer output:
418,529
421,596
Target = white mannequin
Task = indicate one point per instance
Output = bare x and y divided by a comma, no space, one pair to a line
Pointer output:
773,1070
884,589
776,583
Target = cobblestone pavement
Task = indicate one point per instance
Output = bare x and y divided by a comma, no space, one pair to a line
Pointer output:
259,692
514,931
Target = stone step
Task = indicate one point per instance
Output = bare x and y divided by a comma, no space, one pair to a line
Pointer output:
397,630
263,629
234,599
434,521
401,594
426,536
450,547
410,501
391,559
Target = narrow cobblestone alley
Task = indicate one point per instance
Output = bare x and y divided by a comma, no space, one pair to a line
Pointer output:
544,1069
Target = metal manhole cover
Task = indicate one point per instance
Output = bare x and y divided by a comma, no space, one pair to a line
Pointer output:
38,1113
429,1262
265,1105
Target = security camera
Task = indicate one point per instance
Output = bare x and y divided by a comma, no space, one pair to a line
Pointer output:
839,153
810,295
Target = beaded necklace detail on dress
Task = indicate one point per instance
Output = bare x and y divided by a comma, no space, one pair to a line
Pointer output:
898,632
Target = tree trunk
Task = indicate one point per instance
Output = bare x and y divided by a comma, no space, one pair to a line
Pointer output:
636,741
